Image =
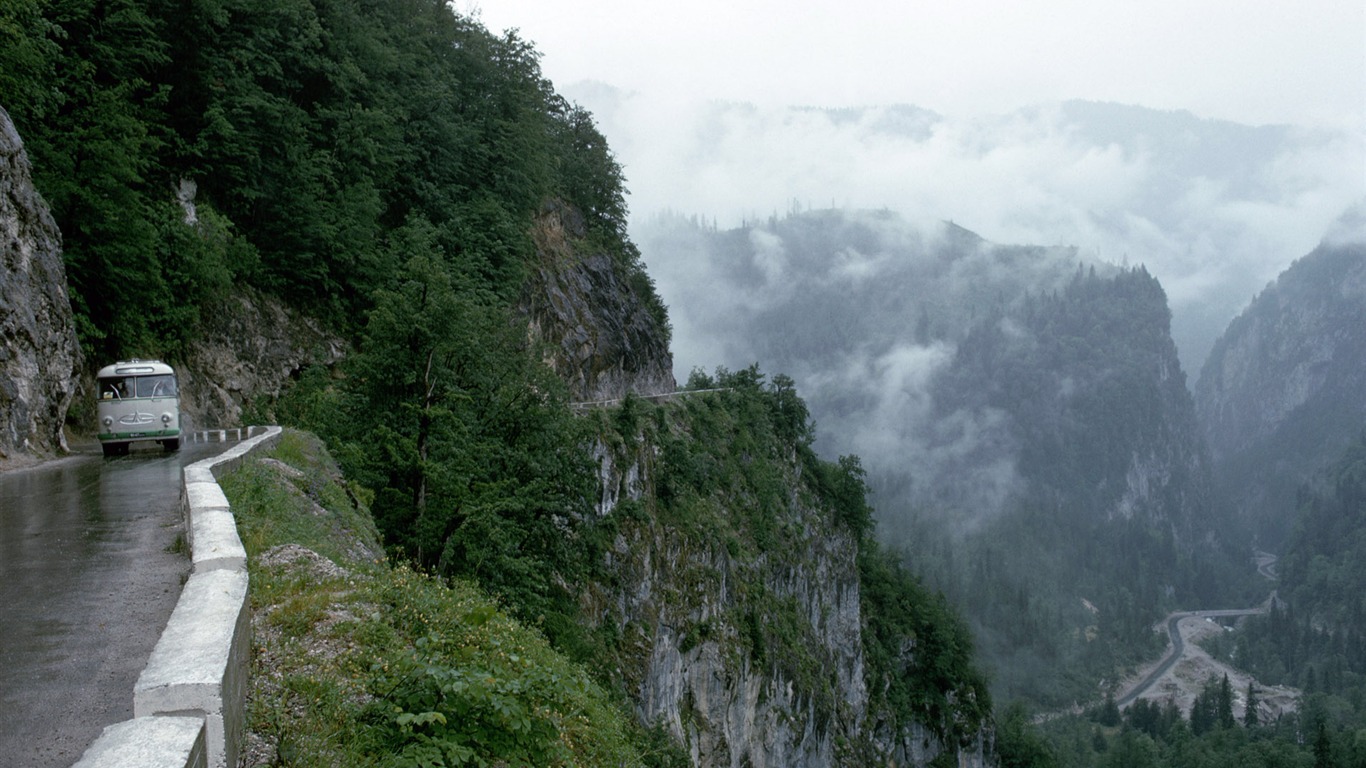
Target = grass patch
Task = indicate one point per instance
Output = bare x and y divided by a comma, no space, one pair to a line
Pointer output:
359,662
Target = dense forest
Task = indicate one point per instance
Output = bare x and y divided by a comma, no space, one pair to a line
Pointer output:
1085,389
1310,639
376,165
318,139
1315,640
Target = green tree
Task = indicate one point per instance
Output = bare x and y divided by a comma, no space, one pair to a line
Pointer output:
1131,749
1202,714
94,139
896,606
1018,742
1250,712
28,55
1323,746
477,464
1109,712
1224,704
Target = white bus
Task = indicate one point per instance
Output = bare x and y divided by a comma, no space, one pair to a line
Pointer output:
138,400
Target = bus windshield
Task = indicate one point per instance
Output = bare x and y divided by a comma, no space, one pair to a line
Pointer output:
120,387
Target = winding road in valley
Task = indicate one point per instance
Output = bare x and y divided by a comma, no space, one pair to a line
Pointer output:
1182,651
1178,649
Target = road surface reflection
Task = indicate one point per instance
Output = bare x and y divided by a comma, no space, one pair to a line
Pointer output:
89,572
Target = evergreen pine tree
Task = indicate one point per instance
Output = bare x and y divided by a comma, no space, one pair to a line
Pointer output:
1201,717
1224,703
1323,747
1250,713
1109,713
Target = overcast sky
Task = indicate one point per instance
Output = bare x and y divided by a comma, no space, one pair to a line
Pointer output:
1251,61
993,164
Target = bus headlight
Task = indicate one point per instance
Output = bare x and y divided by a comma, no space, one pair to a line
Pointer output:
108,422
166,419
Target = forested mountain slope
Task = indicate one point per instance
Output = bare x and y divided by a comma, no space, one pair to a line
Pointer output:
1280,395
1313,636
1086,431
310,146
1023,416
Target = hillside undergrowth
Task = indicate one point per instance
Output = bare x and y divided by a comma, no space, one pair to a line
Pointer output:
358,661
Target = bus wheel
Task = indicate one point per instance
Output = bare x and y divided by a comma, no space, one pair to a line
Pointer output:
114,449
171,445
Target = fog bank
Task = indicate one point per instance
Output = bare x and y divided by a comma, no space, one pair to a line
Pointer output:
1215,210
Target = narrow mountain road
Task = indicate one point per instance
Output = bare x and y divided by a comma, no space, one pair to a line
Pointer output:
1266,565
90,570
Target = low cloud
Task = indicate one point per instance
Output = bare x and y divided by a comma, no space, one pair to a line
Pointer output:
863,308
1214,210
1350,228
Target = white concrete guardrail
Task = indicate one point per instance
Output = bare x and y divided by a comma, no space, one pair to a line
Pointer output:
188,703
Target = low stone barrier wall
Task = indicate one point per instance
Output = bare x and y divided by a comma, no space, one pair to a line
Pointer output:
188,703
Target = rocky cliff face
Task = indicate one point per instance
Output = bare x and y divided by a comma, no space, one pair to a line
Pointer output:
38,348
584,304
250,349
1280,394
750,657
676,611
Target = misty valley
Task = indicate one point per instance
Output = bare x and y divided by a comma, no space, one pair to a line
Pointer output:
918,498
1035,450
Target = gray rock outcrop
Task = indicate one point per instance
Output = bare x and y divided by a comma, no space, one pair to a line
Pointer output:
604,340
38,347
674,601
250,349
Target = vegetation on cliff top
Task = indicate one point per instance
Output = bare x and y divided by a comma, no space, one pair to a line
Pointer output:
733,471
1316,639
732,477
359,661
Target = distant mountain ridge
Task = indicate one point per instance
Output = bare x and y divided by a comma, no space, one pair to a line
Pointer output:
1214,209
1281,393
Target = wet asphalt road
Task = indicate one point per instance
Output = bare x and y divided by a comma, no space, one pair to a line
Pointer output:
89,574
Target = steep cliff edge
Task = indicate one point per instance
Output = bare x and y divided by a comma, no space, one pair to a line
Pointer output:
598,313
38,348
1280,394
737,611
